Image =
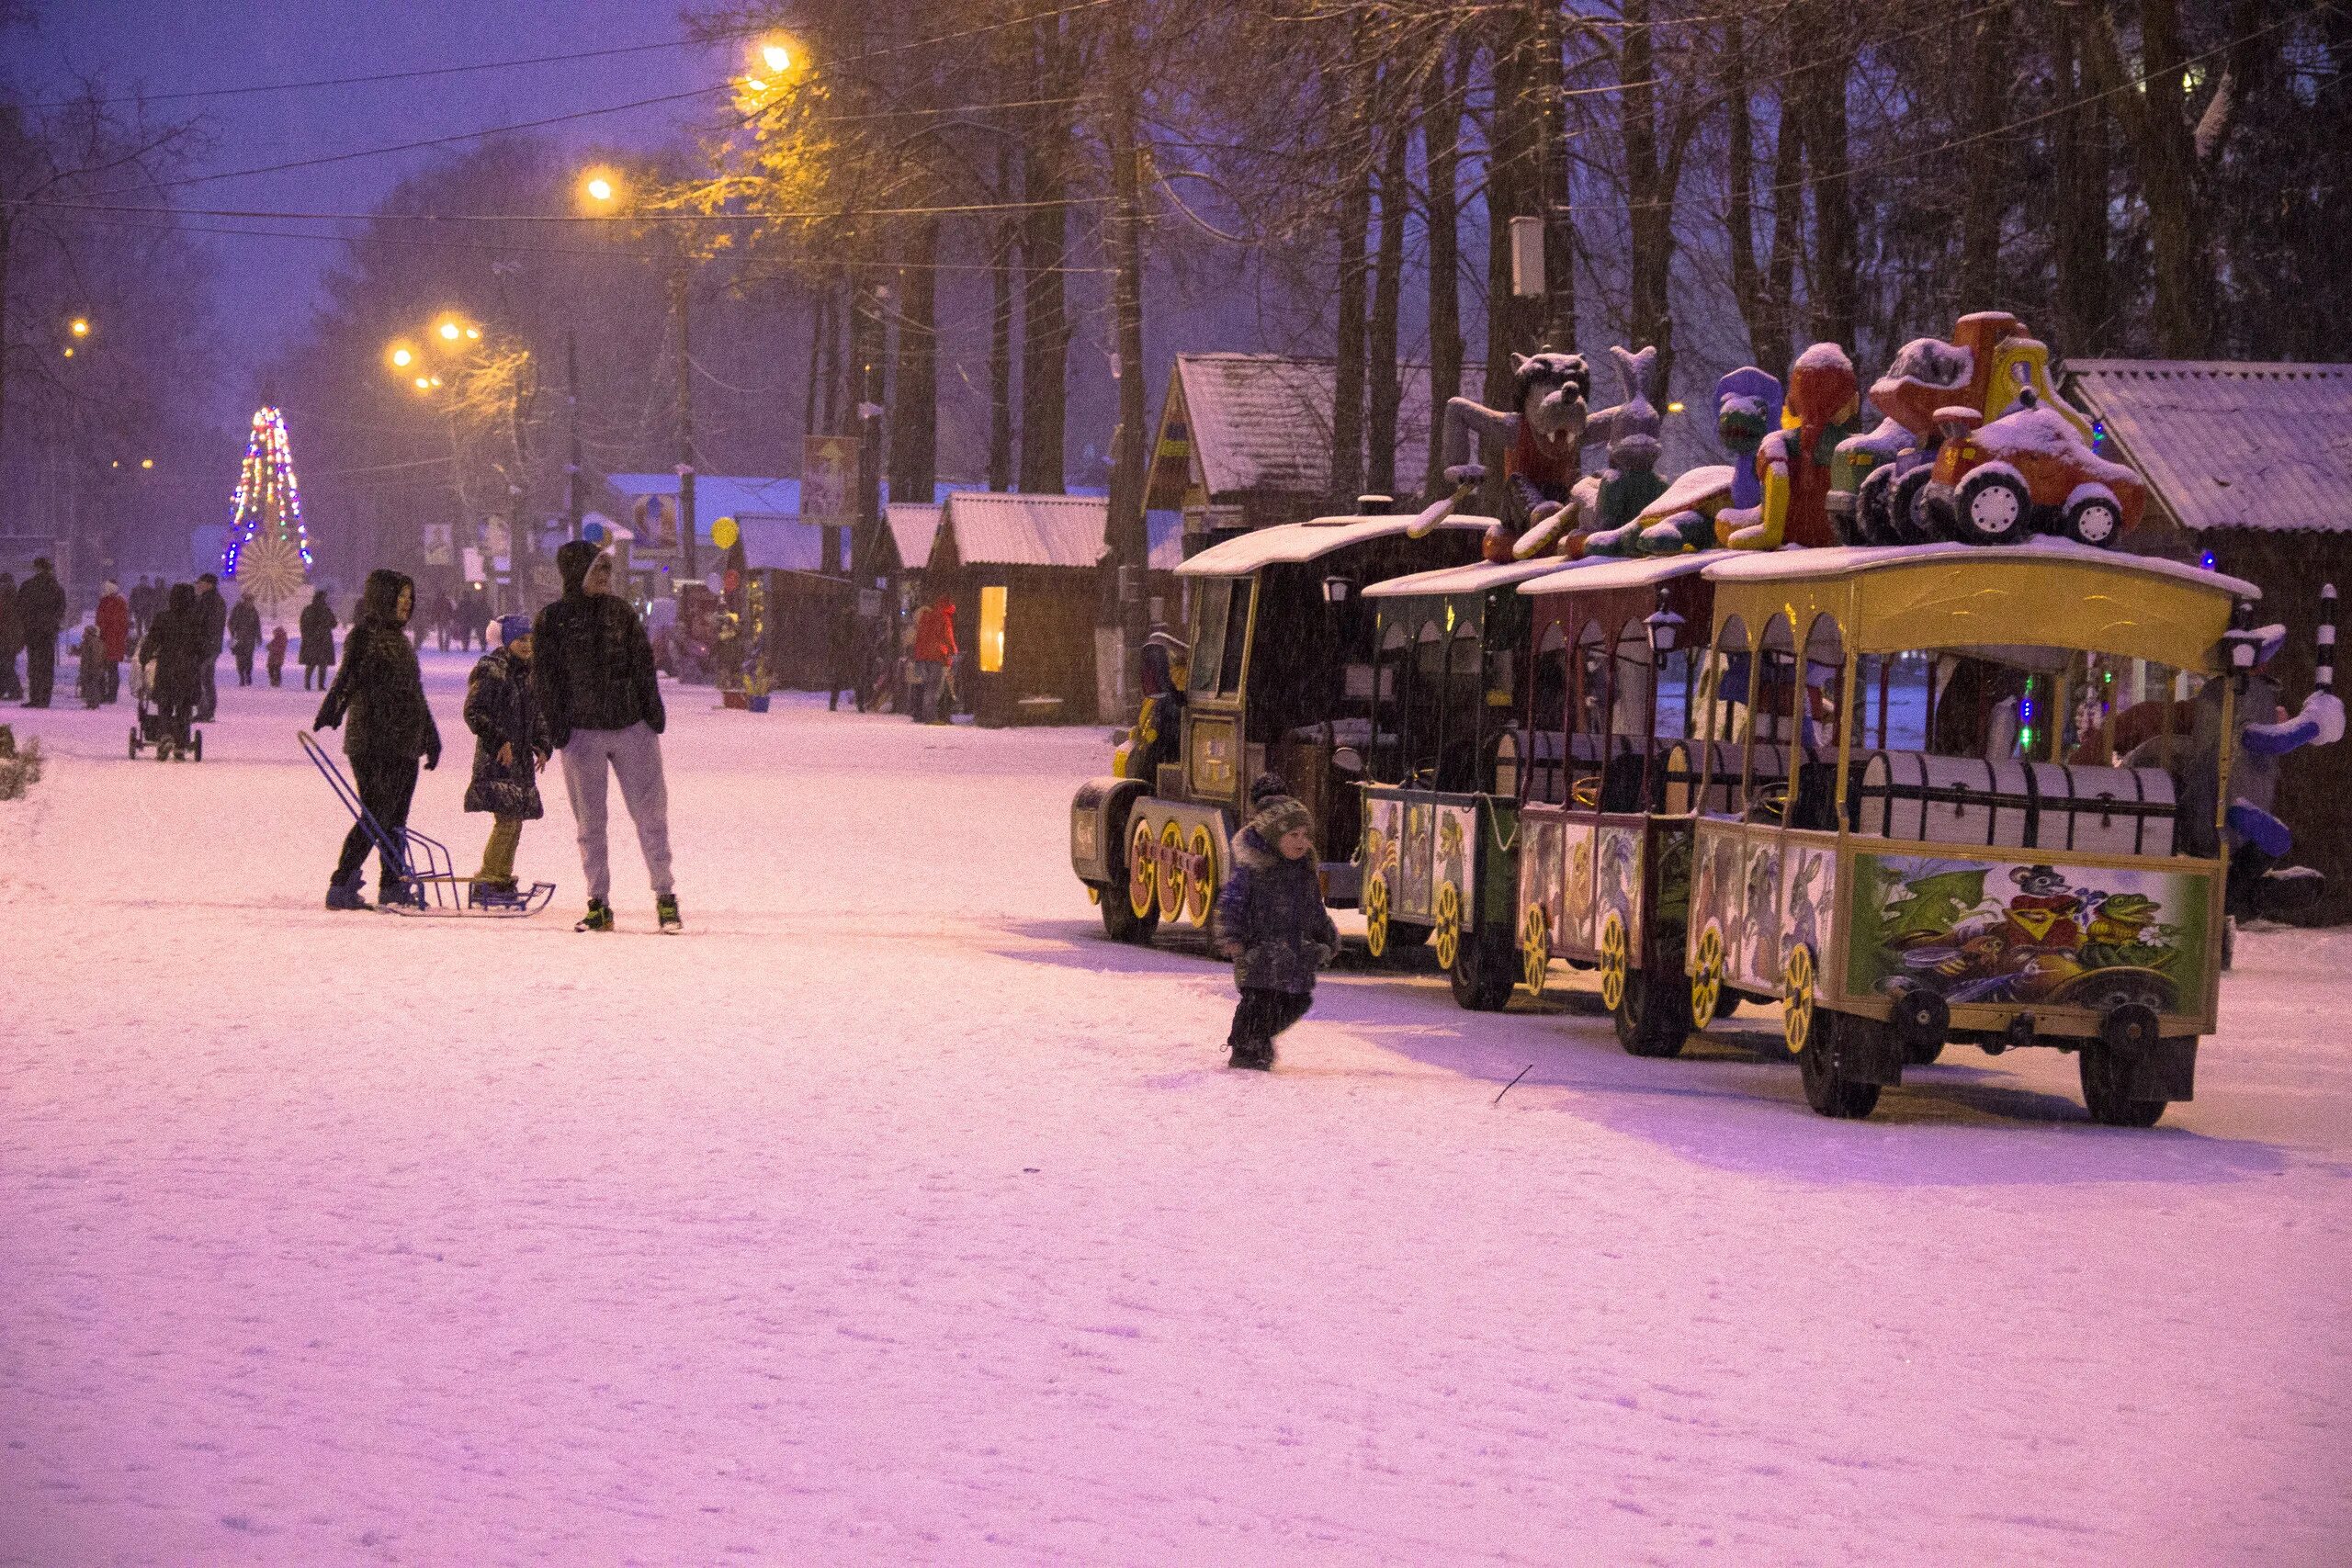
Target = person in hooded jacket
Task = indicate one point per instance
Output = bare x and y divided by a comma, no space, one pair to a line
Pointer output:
114,631
40,615
591,666
381,690
175,646
318,623
1271,923
244,636
215,611
509,747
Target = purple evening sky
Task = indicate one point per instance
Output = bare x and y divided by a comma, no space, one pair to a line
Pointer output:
168,46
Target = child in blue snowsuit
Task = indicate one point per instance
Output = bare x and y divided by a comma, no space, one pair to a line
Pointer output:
1271,923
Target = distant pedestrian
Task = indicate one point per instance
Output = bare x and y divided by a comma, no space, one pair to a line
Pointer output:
215,611
318,623
380,690
592,669
276,647
509,747
175,646
935,650
40,615
445,615
89,684
244,636
114,630
12,637
1271,923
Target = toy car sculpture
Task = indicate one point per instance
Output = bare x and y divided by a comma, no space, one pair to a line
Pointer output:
1995,483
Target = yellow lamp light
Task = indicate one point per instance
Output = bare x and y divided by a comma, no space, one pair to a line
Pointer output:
80,326
450,332
403,357
776,58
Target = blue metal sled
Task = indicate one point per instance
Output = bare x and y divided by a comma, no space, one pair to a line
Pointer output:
428,879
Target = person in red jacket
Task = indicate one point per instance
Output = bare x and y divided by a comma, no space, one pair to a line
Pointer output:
114,637
935,651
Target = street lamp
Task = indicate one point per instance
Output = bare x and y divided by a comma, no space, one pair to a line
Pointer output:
79,326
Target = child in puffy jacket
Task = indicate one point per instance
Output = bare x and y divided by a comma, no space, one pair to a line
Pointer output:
1271,923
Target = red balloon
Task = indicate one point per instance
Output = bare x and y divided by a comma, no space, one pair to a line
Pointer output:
734,580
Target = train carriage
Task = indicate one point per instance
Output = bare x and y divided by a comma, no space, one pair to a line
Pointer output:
1442,764
1605,821
1913,825
1278,682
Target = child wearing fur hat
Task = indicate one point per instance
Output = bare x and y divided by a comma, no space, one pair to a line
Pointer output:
509,746
1271,923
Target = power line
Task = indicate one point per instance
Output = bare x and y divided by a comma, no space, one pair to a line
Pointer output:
807,215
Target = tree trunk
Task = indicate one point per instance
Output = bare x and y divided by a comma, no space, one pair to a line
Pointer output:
1776,310
2164,154
1002,241
1836,287
1441,147
1511,150
1985,165
914,395
1126,533
1387,388
1044,248
1650,219
1545,79
1355,213
2085,283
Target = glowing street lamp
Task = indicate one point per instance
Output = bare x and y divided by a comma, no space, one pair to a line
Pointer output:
79,326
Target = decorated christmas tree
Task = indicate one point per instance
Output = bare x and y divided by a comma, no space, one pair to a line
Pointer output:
269,550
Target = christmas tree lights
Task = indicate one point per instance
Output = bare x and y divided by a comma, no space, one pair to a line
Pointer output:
267,538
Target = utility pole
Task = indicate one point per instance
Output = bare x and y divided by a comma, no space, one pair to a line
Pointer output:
678,290
575,502
1127,537
1552,202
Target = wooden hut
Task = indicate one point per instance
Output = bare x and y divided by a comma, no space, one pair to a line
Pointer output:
1023,574
2248,471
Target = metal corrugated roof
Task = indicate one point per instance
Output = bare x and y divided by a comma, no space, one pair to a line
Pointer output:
914,526
2231,446
1008,528
1263,421
781,543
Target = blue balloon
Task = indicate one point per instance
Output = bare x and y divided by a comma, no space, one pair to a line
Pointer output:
593,532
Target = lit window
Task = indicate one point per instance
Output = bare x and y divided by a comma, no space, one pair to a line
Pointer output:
991,631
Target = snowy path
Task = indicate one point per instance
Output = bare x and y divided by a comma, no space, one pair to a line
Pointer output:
893,1216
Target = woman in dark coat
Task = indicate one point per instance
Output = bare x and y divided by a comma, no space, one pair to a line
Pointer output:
381,692
509,746
174,645
318,626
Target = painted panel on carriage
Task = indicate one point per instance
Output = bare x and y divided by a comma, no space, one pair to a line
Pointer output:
1809,881
1415,894
1579,926
1736,885
1619,875
1456,856
1384,826
2024,932
1539,871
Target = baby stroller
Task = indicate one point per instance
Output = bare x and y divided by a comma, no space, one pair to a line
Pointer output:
170,740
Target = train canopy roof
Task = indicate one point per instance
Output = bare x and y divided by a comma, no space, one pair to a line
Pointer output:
1647,571
1480,577
1288,543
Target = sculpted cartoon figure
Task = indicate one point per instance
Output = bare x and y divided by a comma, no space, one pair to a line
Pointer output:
1604,508
1794,462
1682,517
1542,435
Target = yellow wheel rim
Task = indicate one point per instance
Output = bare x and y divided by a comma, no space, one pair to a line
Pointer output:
1535,950
1449,925
1707,980
1196,909
1375,916
1173,883
1142,878
1612,961
1796,1007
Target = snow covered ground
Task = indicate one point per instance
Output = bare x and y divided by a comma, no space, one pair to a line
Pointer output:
892,1216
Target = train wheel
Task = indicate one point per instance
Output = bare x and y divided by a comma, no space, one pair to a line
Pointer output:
1707,980
1204,882
1535,949
1447,933
1174,886
1826,1088
1612,961
1120,921
1796,1000
2107,1090
1375,916
1143,874
1653,1016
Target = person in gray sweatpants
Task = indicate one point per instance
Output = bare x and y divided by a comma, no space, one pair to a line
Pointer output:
592,671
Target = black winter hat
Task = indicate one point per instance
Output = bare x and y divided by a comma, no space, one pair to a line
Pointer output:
1265,786
572,562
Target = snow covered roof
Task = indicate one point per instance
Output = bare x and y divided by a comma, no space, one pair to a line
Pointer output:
1291,542
779,544
1750,566
1599,575
2231,446
1475,578
1263,421
1011,528
717,495
913,525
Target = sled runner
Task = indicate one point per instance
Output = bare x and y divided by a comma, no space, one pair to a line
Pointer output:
428,880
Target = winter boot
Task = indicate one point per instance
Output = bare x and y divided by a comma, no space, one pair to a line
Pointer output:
346,894
401,895
1258,1055
665,909
599,917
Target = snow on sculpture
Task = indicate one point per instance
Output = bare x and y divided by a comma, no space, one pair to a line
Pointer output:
1603,514
1995,483
1543,439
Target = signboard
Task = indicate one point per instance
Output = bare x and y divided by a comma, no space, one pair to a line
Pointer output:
655,523
828,478
440,545
474,572
496,537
